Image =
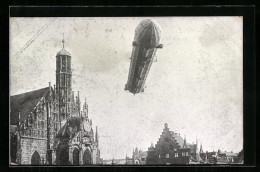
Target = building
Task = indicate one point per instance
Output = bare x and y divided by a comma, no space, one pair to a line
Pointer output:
49,125
239,159
171,148
138,157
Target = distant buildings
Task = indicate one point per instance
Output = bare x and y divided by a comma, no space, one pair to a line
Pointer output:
138,157
171,148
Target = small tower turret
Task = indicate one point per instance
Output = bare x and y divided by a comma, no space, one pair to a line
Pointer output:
85,109
201,150
96,136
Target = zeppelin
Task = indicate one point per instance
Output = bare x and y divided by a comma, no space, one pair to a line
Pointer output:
146,41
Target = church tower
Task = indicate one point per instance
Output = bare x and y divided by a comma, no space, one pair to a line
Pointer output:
63,83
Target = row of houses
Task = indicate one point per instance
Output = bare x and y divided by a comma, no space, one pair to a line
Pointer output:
171,148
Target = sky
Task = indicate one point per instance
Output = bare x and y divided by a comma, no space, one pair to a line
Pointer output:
196,86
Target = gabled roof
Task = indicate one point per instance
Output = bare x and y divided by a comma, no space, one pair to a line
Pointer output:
25,103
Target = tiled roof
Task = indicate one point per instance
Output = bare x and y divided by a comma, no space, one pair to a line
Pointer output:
178,139
25,103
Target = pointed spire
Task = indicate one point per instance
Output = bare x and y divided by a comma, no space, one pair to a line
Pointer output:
184,143
63,41
96,135
201,150
78,102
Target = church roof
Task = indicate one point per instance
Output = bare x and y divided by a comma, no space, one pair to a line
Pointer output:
63,52
147,33
25,103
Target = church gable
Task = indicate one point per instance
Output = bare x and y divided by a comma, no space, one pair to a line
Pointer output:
25,103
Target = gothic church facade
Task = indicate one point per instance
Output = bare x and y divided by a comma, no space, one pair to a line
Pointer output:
48,126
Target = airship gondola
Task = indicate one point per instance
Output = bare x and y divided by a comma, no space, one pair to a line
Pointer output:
146,41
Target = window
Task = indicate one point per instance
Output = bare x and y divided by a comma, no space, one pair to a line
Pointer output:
167,156
142,159
176,155
187,153
159,156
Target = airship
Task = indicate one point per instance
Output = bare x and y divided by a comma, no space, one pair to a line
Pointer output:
146,41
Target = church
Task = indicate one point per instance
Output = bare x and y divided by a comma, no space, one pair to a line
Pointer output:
51,125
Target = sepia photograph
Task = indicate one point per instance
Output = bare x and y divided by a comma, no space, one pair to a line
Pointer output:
128,91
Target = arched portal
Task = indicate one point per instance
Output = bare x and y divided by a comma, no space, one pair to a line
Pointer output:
13,148
75,156
36,158
62,155
136,162
87,157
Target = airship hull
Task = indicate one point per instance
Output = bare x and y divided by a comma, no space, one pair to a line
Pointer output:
146,42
